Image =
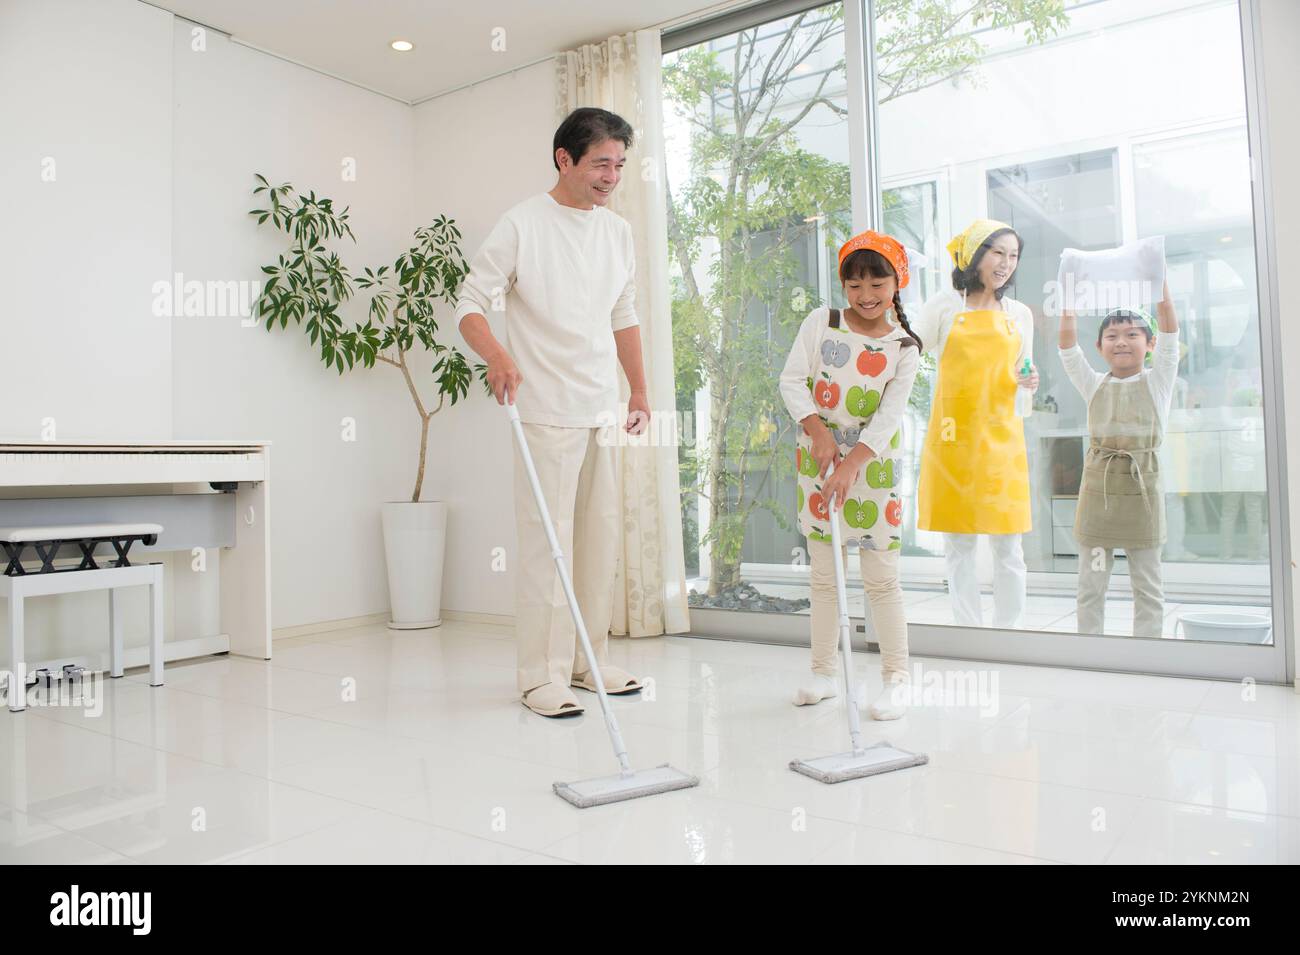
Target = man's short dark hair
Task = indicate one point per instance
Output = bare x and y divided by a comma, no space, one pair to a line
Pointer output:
587,126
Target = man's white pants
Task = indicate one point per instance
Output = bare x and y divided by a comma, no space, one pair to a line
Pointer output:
578,481
1009,579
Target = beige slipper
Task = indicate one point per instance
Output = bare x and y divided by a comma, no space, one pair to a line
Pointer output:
618,682
551,699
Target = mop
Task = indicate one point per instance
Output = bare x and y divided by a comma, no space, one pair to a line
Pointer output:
861,760
629,783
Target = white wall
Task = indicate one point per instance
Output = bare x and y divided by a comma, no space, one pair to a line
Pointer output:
87,88
155,145
1280,27
478,152
237,112
157,132
85,231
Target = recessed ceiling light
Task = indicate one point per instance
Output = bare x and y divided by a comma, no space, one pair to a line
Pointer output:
402,46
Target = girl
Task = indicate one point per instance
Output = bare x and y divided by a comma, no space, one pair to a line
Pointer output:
974,470
846,381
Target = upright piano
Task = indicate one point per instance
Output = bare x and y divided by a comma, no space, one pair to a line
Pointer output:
212,498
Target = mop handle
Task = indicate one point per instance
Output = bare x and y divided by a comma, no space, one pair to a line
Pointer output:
615,737
846,642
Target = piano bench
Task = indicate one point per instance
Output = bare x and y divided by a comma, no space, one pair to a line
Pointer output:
46,540
17,584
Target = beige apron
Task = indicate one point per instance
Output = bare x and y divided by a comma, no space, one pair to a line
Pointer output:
847,385
1121,500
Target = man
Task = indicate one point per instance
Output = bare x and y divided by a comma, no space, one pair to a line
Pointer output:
562,266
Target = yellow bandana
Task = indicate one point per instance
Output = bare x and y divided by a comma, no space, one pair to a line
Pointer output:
964,245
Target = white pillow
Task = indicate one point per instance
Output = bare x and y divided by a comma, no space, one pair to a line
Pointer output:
1130,276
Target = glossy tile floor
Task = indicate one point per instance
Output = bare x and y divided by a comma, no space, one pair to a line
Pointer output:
370,745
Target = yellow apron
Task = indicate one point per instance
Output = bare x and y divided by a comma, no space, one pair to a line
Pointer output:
974,470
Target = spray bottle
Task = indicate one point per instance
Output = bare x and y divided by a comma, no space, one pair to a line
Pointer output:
1024,397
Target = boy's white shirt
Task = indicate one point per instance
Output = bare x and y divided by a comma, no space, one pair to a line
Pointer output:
802,360
1159,378
940,312
567,279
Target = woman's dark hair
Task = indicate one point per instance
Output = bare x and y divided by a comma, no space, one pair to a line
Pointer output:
587,126
864,262
968,279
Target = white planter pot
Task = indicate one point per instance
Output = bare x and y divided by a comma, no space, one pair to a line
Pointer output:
415,537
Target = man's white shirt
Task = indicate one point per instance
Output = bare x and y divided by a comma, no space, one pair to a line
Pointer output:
566,279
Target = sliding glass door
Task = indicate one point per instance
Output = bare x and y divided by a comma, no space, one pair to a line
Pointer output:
1082,128
758,184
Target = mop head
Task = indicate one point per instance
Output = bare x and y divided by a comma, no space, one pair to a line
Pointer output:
607,789
873,760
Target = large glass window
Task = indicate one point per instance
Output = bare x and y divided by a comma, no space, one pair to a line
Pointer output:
1066,202
1071,150
1083,127
758,181
1195,191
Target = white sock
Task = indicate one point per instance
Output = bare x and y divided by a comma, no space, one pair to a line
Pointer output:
814,688
891,703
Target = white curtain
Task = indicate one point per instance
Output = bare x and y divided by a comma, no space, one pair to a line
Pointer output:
622,75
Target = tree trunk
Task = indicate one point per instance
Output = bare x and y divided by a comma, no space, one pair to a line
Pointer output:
720,571
424,450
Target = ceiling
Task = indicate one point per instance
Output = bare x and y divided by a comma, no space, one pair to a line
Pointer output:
453,38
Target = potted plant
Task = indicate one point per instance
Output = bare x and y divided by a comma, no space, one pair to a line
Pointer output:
309,284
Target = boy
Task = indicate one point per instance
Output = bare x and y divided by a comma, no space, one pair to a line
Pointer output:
1121,501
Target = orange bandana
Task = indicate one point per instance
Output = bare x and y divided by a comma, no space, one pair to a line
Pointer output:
886,245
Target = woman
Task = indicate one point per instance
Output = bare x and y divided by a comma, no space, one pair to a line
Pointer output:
974,471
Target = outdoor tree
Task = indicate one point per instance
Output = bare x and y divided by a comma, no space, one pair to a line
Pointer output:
739,226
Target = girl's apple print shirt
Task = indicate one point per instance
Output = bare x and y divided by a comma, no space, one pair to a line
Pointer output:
805,361
858,386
